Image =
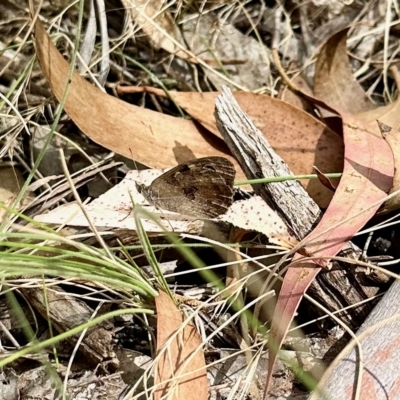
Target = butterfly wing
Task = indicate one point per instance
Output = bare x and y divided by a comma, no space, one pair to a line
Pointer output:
202,188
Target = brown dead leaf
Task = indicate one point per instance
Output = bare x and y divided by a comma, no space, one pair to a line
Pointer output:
175,346
334,82
301,140
154,139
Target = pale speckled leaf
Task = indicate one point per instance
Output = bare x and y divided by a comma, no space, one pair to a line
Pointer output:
114,210
255,214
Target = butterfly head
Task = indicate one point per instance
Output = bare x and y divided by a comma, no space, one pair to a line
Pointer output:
146,192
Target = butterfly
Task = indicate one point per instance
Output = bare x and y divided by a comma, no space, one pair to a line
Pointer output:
200,188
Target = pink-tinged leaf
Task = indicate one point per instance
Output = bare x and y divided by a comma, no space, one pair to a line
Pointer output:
367,178
176,343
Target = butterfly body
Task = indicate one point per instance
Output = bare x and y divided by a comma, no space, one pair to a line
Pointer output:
201,188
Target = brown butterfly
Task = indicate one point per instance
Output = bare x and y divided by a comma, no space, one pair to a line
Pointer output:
200,188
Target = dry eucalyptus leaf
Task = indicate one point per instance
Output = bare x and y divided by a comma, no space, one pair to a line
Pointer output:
255,214
180,364
334,82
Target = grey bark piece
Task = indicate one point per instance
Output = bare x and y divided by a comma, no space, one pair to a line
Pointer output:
67,312
381,355
258,159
